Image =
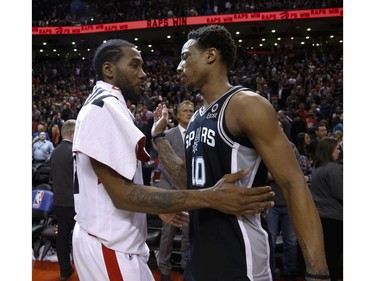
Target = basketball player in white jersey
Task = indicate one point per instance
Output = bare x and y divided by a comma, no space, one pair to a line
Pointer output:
109,238
234,129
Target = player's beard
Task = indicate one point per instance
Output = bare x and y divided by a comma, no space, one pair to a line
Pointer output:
133,96
131,93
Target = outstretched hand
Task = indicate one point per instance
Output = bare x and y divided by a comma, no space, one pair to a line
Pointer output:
160,120
180,219
236,200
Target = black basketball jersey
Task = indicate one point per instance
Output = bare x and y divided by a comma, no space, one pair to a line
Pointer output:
223,247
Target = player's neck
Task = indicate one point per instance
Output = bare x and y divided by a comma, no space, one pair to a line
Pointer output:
210,94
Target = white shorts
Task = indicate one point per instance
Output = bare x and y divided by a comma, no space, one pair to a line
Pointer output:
95,262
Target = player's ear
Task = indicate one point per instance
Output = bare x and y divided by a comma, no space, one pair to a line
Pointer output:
107,70
211,55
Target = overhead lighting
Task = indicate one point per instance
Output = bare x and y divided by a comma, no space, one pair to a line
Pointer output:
263,39
237,33
169,37
240,40
331,36
73,43
260,45
44,43
307,37
273,30
308,29
279,38
135,39
150,46
41,50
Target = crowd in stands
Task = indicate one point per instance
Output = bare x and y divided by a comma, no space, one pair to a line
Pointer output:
83,12
305,84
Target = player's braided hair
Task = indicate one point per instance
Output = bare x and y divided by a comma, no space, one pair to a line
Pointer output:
109,51
216,36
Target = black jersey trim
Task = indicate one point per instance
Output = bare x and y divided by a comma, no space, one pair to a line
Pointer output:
230,91
220,124
96,92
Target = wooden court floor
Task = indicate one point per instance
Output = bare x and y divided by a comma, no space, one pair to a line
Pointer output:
49,271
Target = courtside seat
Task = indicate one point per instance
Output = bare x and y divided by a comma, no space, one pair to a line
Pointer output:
41,175
42,207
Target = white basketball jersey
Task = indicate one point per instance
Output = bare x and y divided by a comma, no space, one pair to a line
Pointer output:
105,131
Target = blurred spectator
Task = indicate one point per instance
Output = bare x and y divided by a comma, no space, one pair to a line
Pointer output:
325,109
319,133
339,136
67,112
337,124
292,102
311,120
298,126
286,122
338,112
302,143
327,191
62,179
139,122
36,134
302,112
41,151
55,128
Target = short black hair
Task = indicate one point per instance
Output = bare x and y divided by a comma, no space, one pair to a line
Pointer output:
216,36
109,51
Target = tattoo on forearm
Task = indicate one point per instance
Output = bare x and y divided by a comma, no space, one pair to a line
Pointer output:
173,164
157,200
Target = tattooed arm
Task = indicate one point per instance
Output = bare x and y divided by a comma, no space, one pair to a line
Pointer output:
172,163
224,196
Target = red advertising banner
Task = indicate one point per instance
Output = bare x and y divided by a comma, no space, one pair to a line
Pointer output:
186,21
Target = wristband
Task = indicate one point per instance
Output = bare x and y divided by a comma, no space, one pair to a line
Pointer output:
161,135
317,276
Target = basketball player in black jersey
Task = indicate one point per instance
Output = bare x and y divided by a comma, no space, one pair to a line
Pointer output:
235,129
